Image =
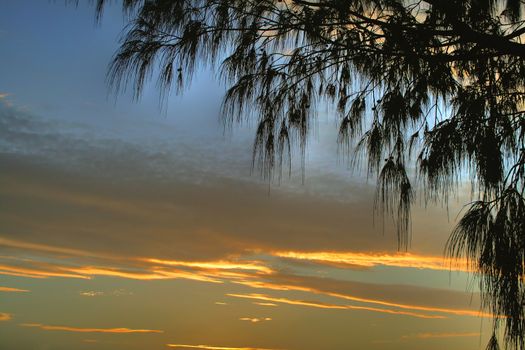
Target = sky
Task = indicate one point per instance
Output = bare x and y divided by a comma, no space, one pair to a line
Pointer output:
139,225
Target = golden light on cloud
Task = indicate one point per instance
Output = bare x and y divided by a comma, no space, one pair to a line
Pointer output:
210,347
321,305
149,269
13,290
151,275
88,330
254,274
367,260
219,265
431,335
143,273
458,312
5,316
35,273
264,304
11,243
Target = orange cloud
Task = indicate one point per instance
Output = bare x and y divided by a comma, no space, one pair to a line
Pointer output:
35,273
209,347
440,335
321,305
13,290
213,272
44,248
152,275
264,304
5,316
250,273
88,330
458,312
367,260
45,270
219,265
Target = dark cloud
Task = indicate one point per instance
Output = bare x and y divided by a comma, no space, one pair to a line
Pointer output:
66,186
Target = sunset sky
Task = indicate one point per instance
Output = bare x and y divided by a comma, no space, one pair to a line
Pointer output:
139,225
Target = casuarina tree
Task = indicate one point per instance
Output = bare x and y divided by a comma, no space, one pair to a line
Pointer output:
432,85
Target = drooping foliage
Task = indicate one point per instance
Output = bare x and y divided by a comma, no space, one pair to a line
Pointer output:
441,82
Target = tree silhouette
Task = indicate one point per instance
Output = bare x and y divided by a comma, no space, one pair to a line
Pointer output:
439,82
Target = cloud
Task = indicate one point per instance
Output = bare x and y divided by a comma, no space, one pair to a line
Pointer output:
264,304
88,330
88,271
258,274
114,293
220,265
372,259
431,335
177,194
12,243
146,271
13,290
38,269
35,273
5,316
91,293
332,288
317,304
255,319
210,347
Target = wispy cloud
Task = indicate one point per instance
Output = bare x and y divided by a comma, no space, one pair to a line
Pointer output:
431,335
458,312
146,272
264,304
219,265
91,293
210,347
305,288
88,330
88,271
321,305
35,273
13,290
255,319
254,274
5,316
95,293
139,268
368,260
13,243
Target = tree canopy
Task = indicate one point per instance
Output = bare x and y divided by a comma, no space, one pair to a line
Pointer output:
435,84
